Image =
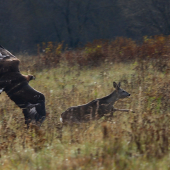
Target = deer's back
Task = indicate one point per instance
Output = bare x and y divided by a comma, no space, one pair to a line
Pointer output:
83,113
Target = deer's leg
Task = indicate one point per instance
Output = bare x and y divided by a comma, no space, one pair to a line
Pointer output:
60,128
124,110
73,120
112,111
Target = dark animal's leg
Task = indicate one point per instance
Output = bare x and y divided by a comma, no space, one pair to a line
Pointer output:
1,90
34,112
27,117
41,113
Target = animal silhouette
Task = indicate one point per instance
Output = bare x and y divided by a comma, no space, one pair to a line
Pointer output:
96,108
17,88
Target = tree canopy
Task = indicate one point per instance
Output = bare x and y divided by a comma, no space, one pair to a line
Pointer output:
24,24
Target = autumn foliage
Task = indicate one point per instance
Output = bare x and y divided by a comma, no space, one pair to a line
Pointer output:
119,50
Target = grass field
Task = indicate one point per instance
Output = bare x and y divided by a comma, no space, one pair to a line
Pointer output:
137,140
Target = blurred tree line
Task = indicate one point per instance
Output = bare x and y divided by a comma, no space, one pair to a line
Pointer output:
24,24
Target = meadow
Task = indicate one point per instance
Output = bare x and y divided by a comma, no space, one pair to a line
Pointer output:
67,78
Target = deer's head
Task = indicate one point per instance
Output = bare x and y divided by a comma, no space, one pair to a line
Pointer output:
121,93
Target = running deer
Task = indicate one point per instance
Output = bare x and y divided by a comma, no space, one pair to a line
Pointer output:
96,108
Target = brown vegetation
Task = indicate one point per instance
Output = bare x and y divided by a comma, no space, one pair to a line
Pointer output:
127,141
155,49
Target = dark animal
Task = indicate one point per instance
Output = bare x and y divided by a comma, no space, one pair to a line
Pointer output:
17,88
96,108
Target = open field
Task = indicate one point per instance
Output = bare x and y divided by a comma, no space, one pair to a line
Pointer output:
137,140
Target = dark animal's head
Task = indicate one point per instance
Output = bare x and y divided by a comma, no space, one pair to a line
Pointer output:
121,93
30,77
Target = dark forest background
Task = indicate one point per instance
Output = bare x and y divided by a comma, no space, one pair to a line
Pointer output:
24,24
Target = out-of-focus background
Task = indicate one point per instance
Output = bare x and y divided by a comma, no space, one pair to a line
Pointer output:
76,49
24,24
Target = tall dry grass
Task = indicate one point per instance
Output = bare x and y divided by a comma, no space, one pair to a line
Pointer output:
137,140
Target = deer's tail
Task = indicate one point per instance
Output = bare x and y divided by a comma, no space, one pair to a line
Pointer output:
61,119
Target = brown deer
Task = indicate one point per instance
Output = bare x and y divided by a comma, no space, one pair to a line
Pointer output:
96,108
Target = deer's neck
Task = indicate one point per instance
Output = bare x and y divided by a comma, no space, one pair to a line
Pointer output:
111,98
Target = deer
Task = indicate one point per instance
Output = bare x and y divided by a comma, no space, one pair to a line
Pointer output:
95,109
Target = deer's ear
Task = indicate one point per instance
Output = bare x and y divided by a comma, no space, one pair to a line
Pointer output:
119,84
115,85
